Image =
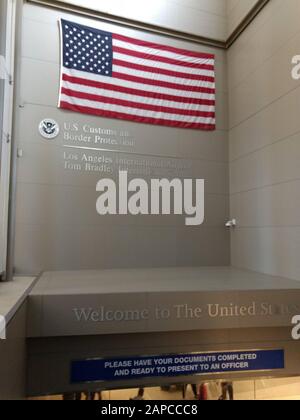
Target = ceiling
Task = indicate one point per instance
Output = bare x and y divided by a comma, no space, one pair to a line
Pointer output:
213,19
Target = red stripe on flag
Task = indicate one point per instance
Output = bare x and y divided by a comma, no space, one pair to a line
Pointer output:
135,118
136,92
138,105
143,56
162,47
160,83
165,72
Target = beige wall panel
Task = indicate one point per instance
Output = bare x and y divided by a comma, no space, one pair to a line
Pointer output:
270,250
276,164
275,206
275,123
264,104
266,84
236,11
272,28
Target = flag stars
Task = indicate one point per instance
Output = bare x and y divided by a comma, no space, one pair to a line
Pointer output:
87,50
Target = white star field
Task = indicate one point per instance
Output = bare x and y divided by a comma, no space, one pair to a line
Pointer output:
87,49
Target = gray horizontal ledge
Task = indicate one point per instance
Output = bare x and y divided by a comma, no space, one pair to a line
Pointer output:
13,294
82,303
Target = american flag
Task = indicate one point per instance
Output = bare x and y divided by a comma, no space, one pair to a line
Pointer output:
114,76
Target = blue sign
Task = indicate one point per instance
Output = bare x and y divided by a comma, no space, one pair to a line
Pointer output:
98,370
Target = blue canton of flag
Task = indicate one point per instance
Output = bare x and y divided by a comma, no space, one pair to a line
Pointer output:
87,49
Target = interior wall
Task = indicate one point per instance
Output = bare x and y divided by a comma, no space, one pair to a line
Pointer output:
264,169
57,227
201,17
264,124
236,11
